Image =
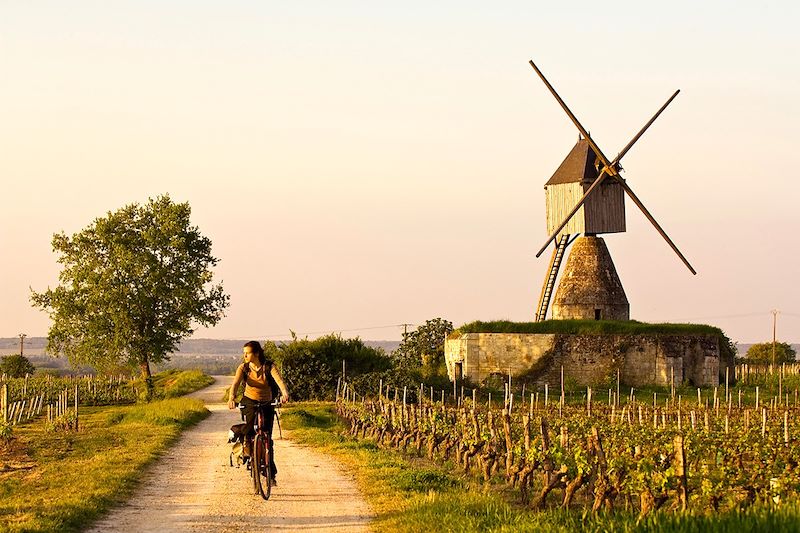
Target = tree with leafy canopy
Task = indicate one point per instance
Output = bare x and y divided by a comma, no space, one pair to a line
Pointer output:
16,366
762,353
424,347
132,285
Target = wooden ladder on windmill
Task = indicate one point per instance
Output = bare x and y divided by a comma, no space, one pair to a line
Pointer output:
550,282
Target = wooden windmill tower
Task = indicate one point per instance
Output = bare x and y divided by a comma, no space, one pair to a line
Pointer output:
580,200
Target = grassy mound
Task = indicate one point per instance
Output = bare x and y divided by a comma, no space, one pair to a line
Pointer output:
588,327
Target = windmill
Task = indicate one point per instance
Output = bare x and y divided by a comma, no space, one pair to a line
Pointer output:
580,199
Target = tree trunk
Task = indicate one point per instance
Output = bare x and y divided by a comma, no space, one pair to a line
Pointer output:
147,376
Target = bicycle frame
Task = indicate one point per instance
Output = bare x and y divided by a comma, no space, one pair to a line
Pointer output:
261,452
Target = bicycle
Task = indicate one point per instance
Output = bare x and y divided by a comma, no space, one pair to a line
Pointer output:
261,451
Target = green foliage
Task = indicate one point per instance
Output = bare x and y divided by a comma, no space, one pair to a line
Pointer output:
6,433
762,353
424,347
394,378
16,366
66,422
312,367
132,285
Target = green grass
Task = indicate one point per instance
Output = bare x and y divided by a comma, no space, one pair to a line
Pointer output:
76,477
174,383
410,494
588,327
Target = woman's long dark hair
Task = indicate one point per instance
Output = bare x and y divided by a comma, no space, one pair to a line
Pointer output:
256,348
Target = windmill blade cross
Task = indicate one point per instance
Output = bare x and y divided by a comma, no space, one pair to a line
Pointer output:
655,224
644,128
609,169
572,117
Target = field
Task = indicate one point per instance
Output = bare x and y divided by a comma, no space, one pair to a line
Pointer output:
655,456
58,477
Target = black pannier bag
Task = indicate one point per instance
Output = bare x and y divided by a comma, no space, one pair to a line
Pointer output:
237,433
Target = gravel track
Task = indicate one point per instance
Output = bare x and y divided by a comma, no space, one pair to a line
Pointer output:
193,488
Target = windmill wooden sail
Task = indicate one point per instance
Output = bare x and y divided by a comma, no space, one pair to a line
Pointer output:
579,199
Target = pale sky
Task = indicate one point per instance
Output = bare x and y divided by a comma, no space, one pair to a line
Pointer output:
360,165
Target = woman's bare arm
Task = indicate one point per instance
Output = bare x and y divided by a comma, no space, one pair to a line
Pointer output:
237,380
281,384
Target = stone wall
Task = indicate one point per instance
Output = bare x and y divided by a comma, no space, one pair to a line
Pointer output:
587,359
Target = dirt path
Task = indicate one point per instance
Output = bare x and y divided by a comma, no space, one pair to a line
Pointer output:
193,488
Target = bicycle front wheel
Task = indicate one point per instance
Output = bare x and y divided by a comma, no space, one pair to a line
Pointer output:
262,478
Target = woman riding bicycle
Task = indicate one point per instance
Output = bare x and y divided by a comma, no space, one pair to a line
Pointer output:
255,373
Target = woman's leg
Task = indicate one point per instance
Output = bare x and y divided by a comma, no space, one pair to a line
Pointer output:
269,416
249,413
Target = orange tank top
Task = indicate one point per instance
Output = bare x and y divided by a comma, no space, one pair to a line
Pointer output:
256,383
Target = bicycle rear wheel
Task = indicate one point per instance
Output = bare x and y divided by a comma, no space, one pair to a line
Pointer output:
254,468
262,478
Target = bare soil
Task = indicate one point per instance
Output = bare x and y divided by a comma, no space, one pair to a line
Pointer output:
193,488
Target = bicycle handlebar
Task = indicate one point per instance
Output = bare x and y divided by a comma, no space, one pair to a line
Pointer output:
273,403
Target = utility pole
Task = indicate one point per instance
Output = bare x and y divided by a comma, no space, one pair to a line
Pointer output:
774,330
21,343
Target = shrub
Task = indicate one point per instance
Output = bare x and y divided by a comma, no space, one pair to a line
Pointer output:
312,367
762,353
16,366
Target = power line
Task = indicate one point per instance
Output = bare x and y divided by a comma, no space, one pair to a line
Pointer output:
333,330
743,315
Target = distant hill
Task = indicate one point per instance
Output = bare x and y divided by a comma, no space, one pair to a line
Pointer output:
234,346
35,346
213,356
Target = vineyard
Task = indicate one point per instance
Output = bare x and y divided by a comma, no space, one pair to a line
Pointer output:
675,450
22,399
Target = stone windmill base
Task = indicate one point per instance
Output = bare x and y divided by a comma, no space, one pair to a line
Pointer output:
590,288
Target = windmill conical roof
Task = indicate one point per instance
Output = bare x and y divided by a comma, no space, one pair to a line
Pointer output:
578,166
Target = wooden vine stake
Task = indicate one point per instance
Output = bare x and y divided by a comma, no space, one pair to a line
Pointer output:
672,381
5,403
530,411
526,431
509,443
786,428
76,407
588,401
680,470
